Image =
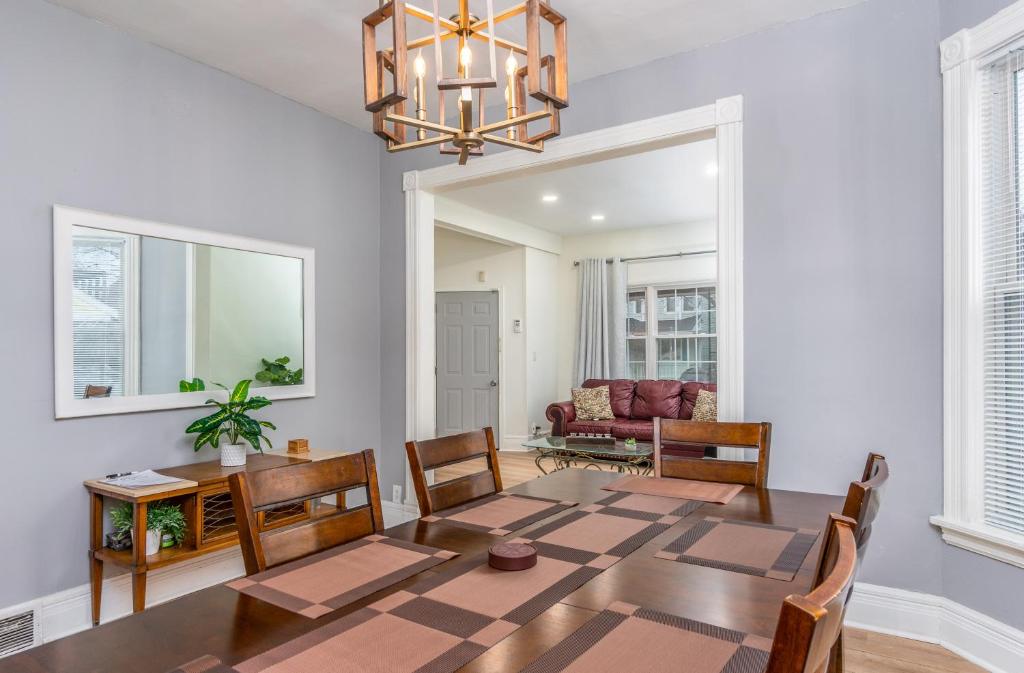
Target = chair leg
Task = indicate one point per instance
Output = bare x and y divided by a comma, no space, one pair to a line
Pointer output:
836,663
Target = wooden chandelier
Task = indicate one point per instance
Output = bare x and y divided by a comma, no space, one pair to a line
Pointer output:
386,77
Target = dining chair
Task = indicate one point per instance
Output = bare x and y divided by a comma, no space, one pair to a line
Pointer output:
742,435
259,491
92,391
810,625
431,454
863,500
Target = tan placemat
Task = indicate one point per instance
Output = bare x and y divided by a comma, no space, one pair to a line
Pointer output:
500,514
323,582
444,621
627,638
686,489
747,547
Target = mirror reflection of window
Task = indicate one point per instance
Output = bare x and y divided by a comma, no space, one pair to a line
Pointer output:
150,312
103,311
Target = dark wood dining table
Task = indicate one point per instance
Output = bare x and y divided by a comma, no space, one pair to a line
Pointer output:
232,626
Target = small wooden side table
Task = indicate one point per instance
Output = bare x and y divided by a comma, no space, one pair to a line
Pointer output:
205,500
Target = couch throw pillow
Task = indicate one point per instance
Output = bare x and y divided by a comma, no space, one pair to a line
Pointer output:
593,404
706,407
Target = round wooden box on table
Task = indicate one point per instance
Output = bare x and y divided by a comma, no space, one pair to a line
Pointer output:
512,556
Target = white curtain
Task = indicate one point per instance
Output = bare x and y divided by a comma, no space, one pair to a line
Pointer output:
601,332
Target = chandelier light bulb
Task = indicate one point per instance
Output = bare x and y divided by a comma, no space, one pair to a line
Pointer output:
466,57
511,65
419,66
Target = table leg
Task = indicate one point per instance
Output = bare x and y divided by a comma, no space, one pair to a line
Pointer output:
536,461
95,564
139,556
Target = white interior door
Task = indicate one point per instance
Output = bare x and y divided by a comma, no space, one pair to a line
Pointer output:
467,362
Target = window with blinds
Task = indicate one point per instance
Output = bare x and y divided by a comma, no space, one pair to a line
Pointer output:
1002,219
100,305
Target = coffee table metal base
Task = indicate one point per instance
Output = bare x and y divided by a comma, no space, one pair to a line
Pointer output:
563,458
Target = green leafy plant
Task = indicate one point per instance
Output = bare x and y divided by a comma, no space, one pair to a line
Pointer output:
195,385
168,519
631,442
276,373
232,419
121,517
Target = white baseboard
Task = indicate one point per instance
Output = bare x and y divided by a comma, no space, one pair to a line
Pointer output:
978,638
513,443
398,513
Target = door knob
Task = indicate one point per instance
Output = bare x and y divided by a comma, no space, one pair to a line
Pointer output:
494,383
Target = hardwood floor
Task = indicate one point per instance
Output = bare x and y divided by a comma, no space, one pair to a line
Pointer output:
866,651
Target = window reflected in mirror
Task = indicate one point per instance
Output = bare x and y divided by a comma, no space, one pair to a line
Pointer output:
151,313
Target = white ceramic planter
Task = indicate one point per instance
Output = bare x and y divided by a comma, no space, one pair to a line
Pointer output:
232,455
152,541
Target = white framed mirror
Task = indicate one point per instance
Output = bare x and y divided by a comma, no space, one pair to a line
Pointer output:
143,311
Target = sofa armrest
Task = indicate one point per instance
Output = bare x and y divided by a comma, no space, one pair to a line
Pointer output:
560,414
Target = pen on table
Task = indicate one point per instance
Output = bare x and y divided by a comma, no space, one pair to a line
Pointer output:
119,474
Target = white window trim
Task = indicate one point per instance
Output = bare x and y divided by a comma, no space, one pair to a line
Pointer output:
962,520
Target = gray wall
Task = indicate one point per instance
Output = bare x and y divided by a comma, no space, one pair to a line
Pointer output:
843,254
94,118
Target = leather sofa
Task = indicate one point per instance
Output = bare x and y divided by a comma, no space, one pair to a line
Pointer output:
635,404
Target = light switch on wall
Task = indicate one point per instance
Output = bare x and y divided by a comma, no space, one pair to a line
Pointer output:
481,276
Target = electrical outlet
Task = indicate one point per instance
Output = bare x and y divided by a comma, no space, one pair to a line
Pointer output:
396,494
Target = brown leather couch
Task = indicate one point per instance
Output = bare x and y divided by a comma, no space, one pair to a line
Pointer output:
635,405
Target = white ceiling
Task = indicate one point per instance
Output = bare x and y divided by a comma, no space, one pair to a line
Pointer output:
310,50
674,185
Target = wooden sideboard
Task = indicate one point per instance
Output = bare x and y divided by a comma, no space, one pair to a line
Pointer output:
205,499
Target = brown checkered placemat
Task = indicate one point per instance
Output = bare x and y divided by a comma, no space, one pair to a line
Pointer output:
331,579
627,638
686,489
500,514
747,547
205,664
446,620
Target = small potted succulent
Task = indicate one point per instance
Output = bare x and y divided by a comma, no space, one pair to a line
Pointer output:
631,444
232,419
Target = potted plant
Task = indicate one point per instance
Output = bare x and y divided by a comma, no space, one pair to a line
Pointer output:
276,373
162,518
121,519
168,519
232,419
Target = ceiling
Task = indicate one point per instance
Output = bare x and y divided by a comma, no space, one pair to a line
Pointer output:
310,50
674,185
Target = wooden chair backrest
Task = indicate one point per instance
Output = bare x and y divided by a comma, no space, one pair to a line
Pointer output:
864,498
809,626
253,492
434,453
746,435
92,391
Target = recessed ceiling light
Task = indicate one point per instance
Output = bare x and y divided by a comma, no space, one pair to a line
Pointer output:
597,218
549,198
711,170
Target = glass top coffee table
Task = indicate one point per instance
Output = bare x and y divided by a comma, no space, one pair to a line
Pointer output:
593,452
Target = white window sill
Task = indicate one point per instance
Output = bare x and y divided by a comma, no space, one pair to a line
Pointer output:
982,539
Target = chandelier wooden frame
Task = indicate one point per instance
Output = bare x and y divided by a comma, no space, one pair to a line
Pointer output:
386,78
